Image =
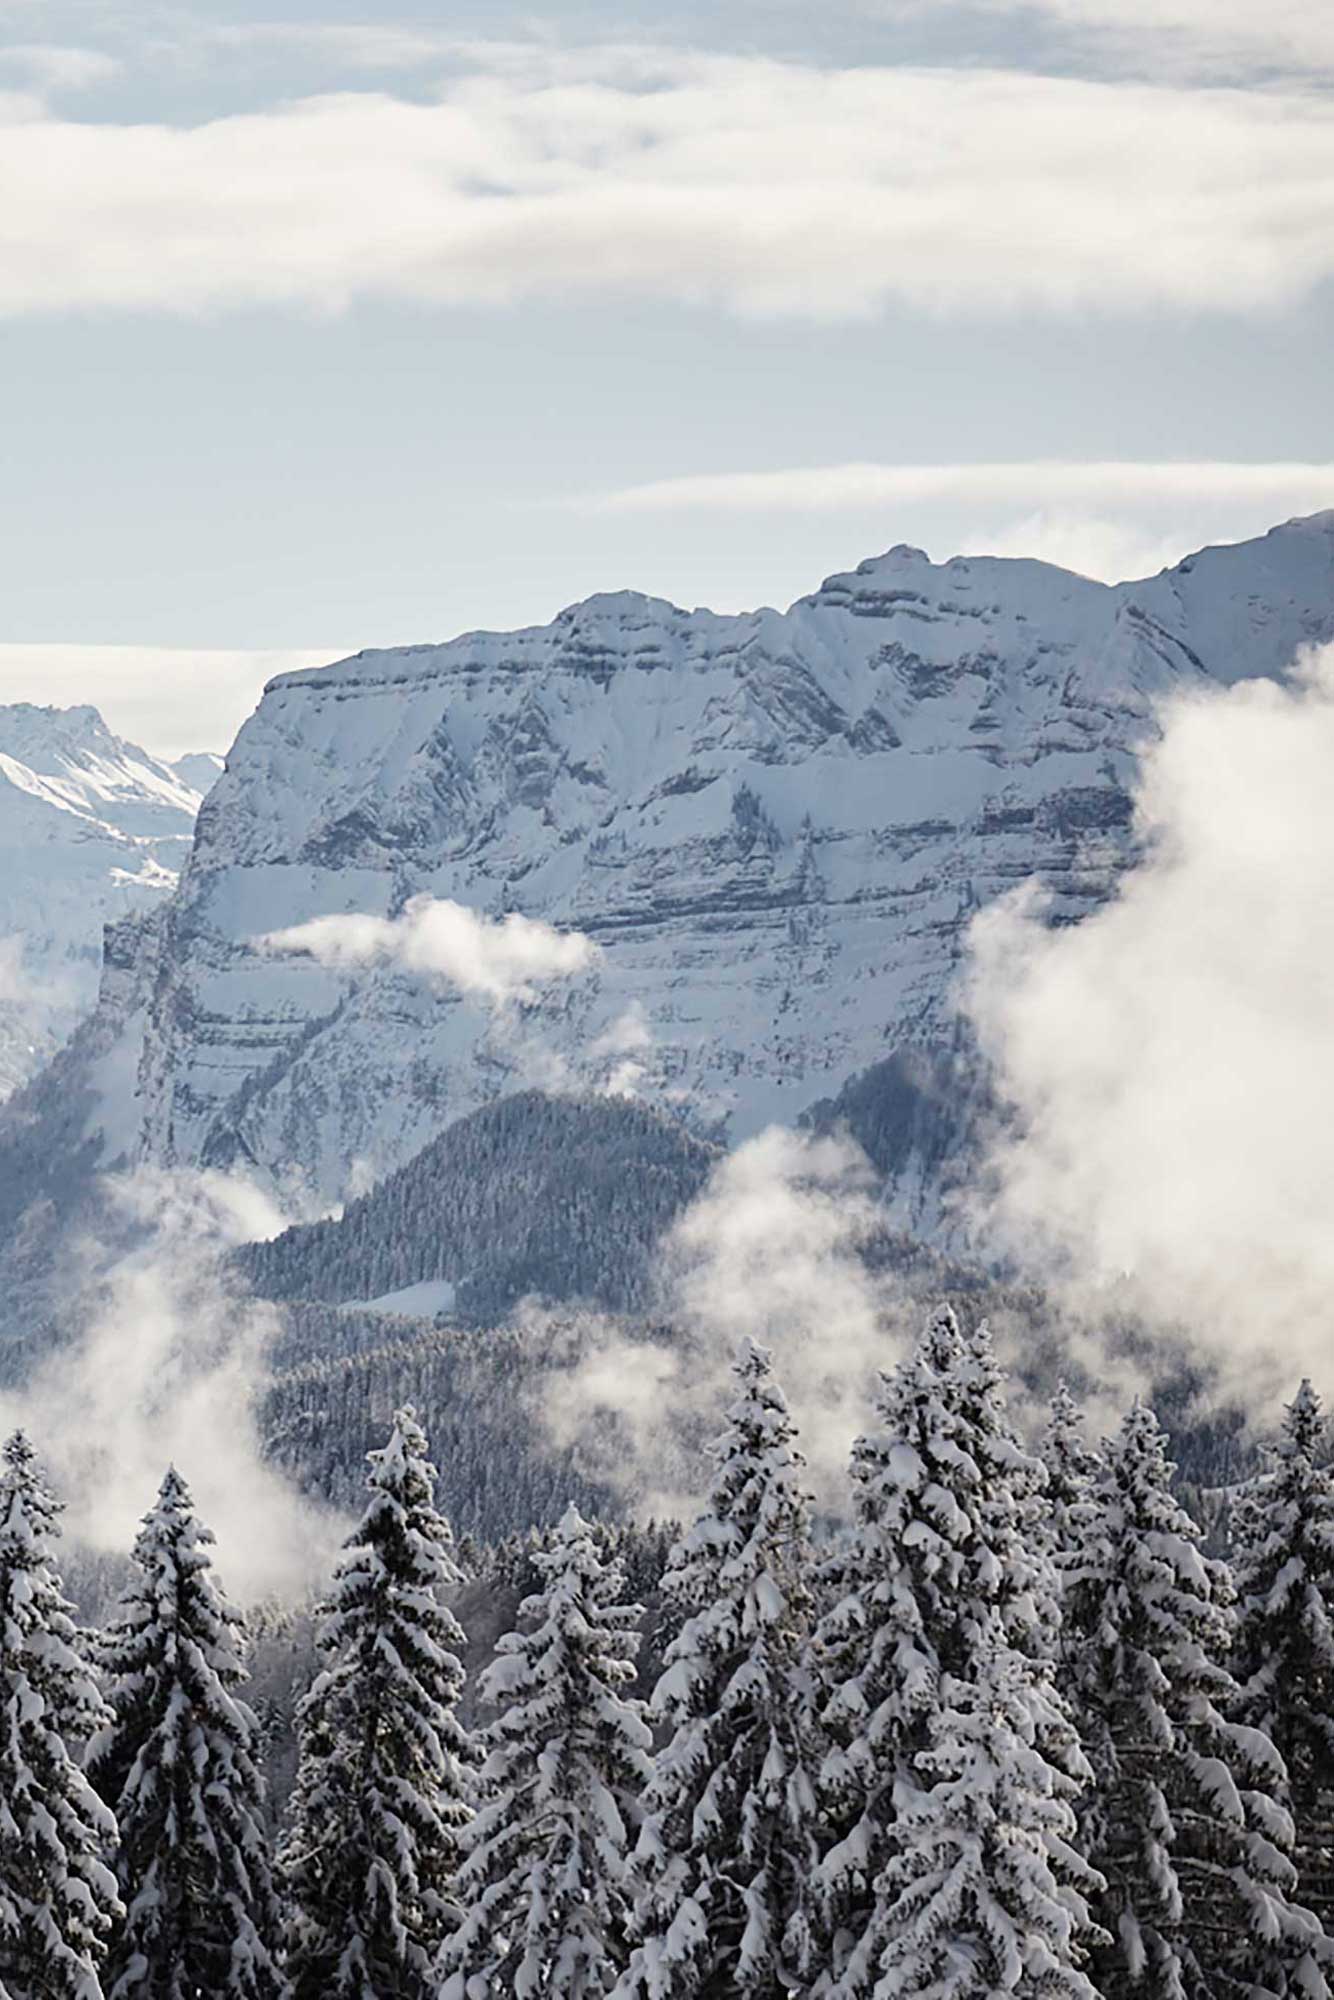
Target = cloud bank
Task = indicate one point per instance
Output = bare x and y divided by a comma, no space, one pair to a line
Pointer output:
761,187
498,960
1170,1060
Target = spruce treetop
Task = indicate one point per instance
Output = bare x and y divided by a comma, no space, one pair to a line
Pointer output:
58,1899
547,1878
383,1788
727,1850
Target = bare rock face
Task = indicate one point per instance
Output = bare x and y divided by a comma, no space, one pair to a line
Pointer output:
777,827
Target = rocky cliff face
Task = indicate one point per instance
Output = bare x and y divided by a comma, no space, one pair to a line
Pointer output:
91,829
776,826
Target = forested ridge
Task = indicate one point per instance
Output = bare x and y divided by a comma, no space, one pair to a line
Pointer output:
1008,1729
567,1197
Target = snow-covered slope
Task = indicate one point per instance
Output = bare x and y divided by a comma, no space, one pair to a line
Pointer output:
91,828
775,825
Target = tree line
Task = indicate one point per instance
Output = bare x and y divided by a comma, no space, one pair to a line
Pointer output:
1011,1732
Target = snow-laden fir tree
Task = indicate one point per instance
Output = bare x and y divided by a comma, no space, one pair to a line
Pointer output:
936,1659
1072,1467
177,1765
57,1893
727,1849
1283,1654
382,1792
1184,1821
978,1898
546,1880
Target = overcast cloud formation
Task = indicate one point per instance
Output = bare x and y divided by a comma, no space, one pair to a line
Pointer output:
316,321
756,186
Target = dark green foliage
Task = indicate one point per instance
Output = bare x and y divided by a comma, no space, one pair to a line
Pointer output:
382,1791
57,1894
178,1767
1283,1658
1183,1821
561,1197
499,1470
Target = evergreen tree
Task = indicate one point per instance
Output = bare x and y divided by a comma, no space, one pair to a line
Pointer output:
1072,1467
1283,1656
952,1757
382,1790
546,1879
177,1764
57,1894
1183,1824
977,1897
727,1849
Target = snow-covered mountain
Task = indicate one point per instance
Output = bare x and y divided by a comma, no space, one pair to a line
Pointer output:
91,828
775,825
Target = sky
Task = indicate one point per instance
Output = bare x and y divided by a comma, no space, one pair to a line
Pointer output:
323,328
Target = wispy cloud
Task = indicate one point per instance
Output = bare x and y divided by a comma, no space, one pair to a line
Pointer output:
747,184
499,959
167,1363
1298,485
53,67
1108,519
769,1251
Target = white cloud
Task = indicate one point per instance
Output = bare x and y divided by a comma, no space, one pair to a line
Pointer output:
168,1368
762,187
51,66
1105,518
769,1252
1170,1060
169,698
497,959
1302,487
618,1057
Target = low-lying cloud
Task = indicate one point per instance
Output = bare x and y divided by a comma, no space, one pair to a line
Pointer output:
497,959
1170,1060
168,1368
770,1251
740,182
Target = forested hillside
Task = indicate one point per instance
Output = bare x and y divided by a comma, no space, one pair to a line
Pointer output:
560,1196
1000,1719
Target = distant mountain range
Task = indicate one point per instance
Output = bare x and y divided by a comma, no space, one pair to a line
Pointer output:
776,826
91,827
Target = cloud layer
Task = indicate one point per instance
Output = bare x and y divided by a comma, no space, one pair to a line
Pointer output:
1299,487
1170,1060
761,187
497,960
1106,518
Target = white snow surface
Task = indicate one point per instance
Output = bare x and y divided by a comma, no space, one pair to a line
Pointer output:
420,1301
91,828
776,826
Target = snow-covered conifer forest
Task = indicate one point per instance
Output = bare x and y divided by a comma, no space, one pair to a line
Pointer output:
1001,1722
